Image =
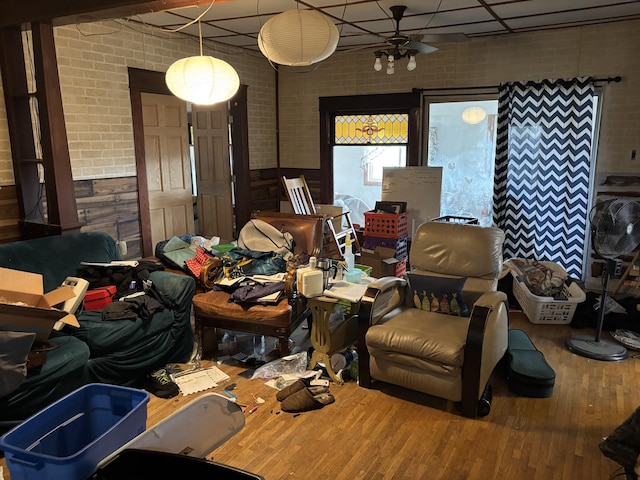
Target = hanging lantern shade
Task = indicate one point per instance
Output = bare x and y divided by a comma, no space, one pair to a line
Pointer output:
298,38
473,115
202,80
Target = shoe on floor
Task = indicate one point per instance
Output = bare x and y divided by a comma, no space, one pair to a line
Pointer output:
304,400
299,385
160,384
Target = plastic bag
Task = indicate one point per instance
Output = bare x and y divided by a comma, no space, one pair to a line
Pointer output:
295,365
261,236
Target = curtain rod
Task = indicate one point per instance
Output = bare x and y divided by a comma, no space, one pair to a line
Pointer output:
615,79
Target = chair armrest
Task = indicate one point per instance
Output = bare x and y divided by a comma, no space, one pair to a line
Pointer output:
177,288
487,340
380,298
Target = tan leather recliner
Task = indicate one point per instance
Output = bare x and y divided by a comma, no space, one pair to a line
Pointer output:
403,342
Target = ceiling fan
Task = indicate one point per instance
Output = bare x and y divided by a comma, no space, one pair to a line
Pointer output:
401,45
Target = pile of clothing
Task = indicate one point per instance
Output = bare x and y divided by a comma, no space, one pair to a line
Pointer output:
541,280
252,271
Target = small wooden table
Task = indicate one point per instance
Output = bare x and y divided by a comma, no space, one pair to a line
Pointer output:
324,341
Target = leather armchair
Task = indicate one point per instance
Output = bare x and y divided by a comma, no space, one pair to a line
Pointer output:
213,309
447,356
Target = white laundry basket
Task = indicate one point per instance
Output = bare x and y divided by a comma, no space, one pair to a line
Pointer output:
548,310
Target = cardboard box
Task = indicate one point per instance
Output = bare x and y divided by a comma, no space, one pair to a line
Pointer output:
381,260
24,307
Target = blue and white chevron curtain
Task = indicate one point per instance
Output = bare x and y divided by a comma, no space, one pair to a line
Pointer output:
543,161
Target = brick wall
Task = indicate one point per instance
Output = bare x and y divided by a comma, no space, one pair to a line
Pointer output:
599,51
93,59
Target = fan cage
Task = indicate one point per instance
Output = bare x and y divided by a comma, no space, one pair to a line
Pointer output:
614,227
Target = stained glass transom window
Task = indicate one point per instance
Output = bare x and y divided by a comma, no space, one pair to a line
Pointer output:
385,129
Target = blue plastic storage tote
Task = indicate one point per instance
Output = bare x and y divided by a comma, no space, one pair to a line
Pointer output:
68,439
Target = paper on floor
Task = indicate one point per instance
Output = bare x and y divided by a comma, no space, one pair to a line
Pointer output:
200,380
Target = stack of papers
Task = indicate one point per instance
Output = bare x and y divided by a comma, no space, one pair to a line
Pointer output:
272,298
342,290
114,263
199,380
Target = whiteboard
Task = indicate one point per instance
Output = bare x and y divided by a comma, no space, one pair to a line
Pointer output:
420,187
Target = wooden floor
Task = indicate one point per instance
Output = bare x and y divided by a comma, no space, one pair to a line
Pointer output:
388,432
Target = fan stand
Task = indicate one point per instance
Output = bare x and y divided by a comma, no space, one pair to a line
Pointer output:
597,348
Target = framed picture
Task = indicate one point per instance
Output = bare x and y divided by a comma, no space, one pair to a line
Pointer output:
391,207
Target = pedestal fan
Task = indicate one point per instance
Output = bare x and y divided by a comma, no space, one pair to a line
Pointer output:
614,232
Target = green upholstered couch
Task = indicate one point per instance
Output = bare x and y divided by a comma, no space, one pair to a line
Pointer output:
118,352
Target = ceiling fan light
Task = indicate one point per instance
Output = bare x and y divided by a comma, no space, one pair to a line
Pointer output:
473,115
390,65
202,80
411,66
298,38
377,65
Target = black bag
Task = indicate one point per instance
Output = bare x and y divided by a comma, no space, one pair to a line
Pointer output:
126,279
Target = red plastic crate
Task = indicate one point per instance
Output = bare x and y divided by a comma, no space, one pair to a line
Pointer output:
400,268
387,225
400,245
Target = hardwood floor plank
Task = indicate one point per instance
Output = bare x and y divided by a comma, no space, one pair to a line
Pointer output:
391,433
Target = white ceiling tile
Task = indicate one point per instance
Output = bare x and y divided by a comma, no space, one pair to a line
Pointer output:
570,18
453,16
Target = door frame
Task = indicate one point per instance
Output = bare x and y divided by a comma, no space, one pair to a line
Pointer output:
147,81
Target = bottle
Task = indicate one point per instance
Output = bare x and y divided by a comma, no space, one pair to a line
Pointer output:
310,280
348,253
342,361
225,346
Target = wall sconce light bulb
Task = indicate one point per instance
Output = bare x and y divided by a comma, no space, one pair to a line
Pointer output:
390,65
377,66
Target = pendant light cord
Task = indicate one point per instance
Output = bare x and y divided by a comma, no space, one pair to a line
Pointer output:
197,19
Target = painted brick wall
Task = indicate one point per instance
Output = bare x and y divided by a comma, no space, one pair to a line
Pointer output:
598,51
92,63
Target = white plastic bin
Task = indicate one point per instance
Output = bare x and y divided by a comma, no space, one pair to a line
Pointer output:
179,443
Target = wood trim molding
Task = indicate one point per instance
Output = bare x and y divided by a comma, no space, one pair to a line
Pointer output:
240,145
357,104
148,82
72,12
61,200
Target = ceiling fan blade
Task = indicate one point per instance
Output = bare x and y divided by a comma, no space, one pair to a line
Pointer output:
443,37
420,47
363,47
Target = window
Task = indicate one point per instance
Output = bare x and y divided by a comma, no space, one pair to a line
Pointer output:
364,145
345,167
460,137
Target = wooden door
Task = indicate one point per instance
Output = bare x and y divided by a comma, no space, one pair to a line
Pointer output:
168,166
213,171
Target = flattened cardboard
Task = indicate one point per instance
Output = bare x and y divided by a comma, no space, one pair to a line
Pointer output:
381,260
24,307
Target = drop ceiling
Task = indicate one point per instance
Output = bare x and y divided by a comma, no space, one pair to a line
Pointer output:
364,23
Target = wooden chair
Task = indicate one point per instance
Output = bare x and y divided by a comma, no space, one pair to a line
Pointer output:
336,228
213,309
